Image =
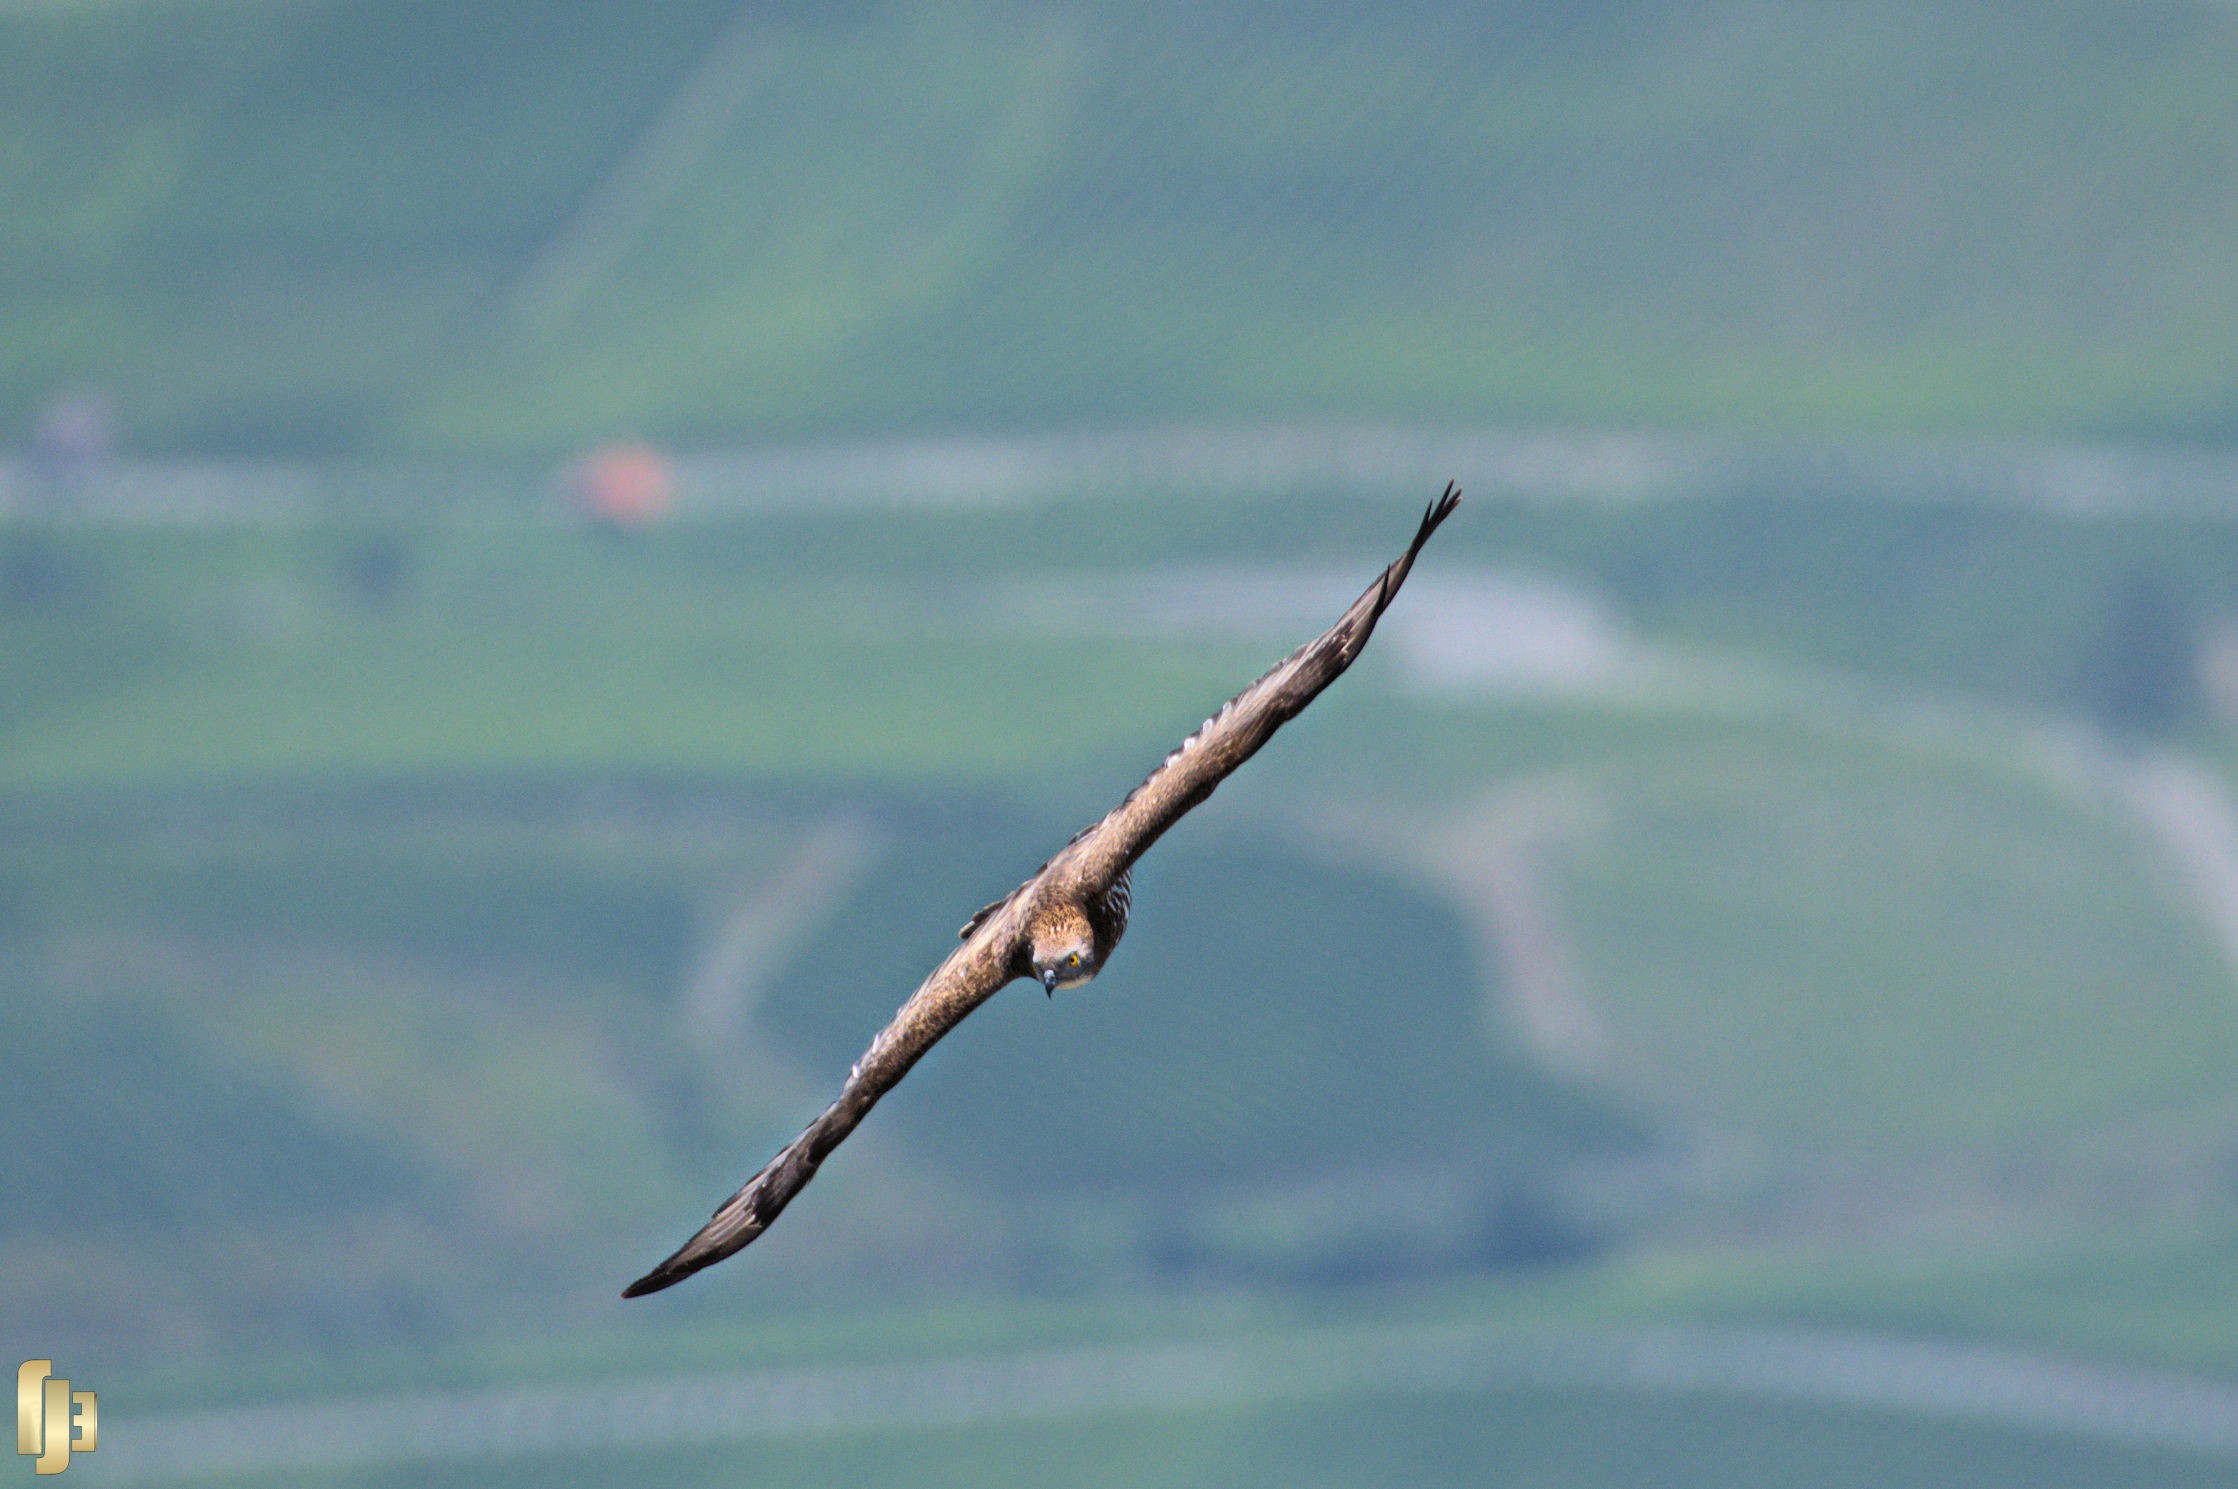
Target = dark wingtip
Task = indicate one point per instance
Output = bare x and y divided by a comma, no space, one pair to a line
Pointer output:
1387,585
652,1282
689,1258
1439,510
1432,515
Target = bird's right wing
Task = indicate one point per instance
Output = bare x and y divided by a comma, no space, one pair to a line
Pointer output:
971,975
1245,722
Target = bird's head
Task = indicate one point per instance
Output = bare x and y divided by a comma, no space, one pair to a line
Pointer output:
1063,950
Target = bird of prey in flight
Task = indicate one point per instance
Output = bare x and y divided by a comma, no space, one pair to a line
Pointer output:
1059,927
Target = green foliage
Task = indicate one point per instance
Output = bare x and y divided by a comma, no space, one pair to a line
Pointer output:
323,226
2147,1296
1571,1438
543,652
354,921
1866,952
372,840
351,874
143,1125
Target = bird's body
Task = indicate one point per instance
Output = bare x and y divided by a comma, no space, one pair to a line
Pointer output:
1110,915
1061,925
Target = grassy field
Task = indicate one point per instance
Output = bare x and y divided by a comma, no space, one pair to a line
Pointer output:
539,651
969,216
1294,1391
855,644
393,895
1529,1437
363,878
1865,952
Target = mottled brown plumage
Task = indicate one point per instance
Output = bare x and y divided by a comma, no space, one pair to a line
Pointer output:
1059,927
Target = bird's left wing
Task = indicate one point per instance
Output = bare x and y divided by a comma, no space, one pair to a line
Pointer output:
971,975
1233,735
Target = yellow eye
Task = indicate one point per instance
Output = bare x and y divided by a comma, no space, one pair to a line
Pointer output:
1073,960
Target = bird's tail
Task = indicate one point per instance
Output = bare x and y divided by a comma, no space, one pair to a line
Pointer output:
749,1212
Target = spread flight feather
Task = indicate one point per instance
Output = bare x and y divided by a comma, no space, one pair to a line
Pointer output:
994,945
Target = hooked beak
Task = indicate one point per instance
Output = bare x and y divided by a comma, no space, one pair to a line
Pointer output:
1049,981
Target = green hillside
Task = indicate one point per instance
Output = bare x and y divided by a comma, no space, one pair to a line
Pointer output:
1867,953
511,643
497,227
1778,907
1571,1438
392,899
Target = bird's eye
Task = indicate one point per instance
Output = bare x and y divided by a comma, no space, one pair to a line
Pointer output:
1073,960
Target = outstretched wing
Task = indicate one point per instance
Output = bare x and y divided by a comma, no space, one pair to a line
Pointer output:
971,975
988,958
1244,723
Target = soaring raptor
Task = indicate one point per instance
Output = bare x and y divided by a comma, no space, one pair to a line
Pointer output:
1059,927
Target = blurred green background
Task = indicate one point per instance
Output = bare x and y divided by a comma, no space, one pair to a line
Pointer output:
551,552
